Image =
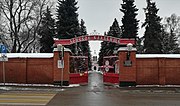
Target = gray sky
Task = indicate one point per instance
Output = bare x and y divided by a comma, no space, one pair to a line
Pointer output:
99,14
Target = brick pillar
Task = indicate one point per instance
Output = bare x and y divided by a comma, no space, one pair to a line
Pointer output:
58,71
127,73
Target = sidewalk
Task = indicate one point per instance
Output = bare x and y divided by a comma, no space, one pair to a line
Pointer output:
34,87
151,89
138,89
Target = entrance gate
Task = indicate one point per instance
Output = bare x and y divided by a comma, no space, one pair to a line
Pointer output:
78,76
110,69
83,77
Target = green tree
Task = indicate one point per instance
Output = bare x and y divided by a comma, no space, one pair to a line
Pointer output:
103,52
114,31
85,45
83,49
139,45
108,48
47,32
67,21
129,21
153,29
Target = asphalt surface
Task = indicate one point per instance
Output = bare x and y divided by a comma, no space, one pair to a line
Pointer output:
98,94
95,93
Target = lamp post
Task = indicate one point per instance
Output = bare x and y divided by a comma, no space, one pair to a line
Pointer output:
129,48
60,49
128,62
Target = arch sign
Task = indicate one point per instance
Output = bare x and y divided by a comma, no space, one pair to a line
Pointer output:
119,41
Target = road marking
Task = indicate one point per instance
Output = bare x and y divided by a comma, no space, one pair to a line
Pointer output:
25,98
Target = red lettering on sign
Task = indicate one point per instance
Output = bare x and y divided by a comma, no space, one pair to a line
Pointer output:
94,37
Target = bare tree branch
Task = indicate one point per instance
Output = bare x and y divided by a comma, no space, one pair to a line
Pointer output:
23,18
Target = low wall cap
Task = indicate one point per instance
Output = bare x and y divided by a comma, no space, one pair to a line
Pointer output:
65,49
157,55
125,49
30,55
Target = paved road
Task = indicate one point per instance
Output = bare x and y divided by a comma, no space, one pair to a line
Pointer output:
93,94
96,94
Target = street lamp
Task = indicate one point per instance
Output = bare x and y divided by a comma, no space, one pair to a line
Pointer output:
129,48
128,62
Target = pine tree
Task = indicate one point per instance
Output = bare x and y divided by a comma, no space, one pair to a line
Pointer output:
67,21
129,21
108,48
103,52
153,29
85,45
114,31
47,32
139,45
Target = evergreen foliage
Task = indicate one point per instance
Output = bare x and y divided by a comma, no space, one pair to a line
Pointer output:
139,45
108,48
153,29
103,52
114,31
67,21
129,21
47,32
85,45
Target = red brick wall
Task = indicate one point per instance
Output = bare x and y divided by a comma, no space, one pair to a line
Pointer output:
172,71
147,71
15,71
34,70
44,70
40,70
30,70
160,71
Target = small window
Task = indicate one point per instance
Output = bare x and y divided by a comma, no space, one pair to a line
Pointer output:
94,58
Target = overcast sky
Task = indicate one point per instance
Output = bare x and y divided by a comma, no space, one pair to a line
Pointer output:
99,14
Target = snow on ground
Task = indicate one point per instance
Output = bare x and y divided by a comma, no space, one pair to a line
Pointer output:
14,86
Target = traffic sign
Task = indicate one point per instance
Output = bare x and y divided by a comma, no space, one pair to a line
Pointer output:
106,69
3,59
3,49
107,62
60,64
